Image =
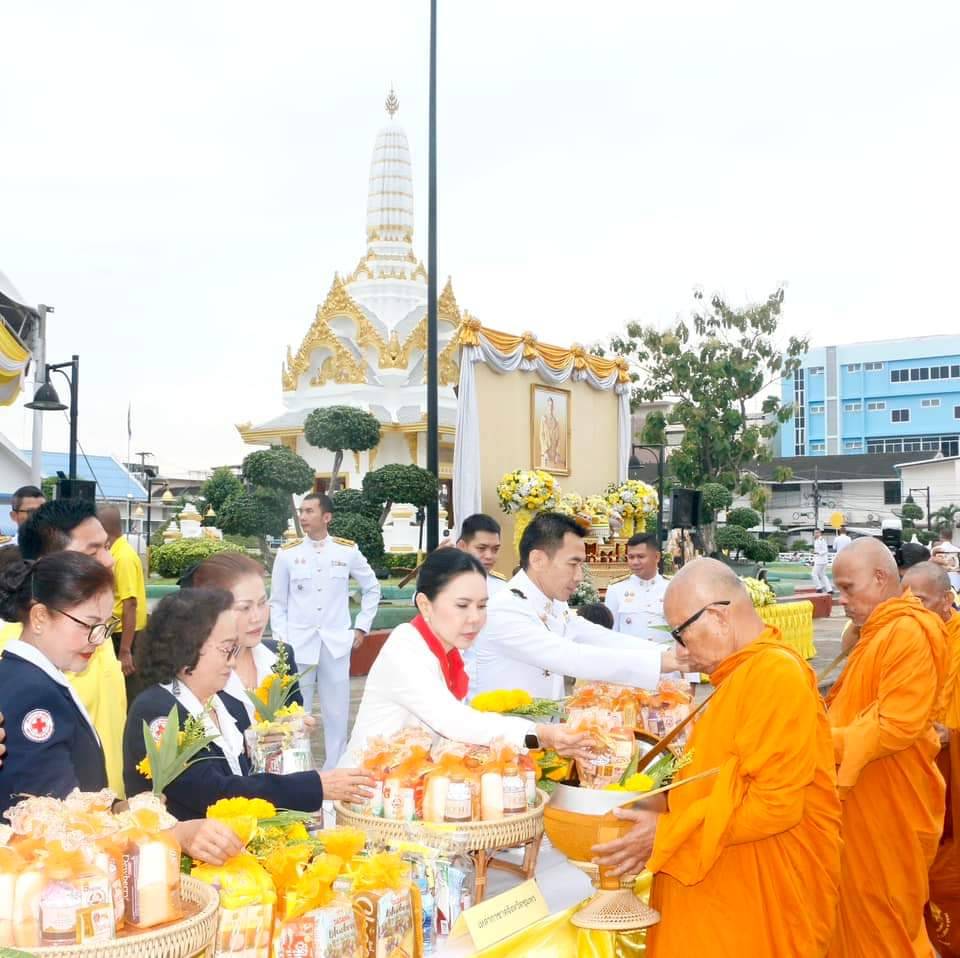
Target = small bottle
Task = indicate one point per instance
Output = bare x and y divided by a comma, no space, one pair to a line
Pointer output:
514,791
459,804
429,914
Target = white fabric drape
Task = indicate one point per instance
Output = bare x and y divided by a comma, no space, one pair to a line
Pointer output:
466,454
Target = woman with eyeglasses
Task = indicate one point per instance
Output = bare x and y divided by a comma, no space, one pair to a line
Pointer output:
191,649
64,601
243,578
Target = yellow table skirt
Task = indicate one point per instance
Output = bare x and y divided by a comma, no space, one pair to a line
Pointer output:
795,622
103,691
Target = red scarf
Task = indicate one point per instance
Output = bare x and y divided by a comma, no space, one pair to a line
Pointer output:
451,665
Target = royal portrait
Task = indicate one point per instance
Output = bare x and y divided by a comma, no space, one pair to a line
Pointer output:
550,429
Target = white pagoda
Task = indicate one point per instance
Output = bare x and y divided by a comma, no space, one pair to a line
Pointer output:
366,345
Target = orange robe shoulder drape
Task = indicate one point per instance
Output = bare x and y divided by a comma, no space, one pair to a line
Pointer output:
748,862
943,909
881,709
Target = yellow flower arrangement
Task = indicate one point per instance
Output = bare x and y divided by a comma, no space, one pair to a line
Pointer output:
170,752
531,489
638,782
344,843
501,700
241,815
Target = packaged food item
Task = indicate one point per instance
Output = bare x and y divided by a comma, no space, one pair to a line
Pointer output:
280,747
456,889
247,902
661,711
151,879
11,864
612,752
514,791
384,908
76,901
26,906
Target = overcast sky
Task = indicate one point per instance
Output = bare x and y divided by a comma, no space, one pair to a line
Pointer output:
181,182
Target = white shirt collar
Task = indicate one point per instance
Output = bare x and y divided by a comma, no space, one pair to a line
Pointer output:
228,737
31,654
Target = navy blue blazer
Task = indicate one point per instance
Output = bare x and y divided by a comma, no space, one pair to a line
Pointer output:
274,646
51,748
205,783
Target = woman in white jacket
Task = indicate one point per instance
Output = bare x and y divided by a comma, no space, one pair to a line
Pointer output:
418,678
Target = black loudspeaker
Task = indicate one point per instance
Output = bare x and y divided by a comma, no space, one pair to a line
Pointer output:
685,508
77,489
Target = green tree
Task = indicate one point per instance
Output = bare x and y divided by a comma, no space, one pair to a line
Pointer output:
355,501
911,511
714,498
255,512
762,550
279,469
759,500
782,474
338,428
946,516
362,530
745,518
221,485
715,365
734,539
399,483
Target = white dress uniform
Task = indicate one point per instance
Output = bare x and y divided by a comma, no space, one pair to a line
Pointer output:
820,559
309,609
531,642
496,583
637,606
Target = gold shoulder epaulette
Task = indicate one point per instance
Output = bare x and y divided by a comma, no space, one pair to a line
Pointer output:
619,578
292,544
5,539
343,542
498,575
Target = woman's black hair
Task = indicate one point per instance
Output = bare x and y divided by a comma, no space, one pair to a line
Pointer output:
597,613
61,580
443,566
178,628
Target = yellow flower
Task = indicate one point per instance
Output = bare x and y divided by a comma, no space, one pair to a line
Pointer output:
289,710
345,843
638,783
143,767
232,807
297,832
501,700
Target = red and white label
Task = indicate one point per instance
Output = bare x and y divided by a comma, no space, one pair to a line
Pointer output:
157,727
37,725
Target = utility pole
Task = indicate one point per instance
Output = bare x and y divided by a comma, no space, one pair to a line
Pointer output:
816,497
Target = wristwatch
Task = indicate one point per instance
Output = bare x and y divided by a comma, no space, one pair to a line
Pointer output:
532,740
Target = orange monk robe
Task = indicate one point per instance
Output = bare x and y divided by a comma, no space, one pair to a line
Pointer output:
881,710
943,909
748,862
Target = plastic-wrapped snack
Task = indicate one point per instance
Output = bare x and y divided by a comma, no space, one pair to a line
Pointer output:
281,746
384,907
662,710
612,753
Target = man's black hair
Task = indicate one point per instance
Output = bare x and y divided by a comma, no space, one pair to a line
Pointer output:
644,539
51,527
25,492
480,522
546,532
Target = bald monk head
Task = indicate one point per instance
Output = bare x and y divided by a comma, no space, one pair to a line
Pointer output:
865,574
111,521
711,608
930,583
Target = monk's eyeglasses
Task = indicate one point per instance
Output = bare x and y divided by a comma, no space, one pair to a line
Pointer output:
676,633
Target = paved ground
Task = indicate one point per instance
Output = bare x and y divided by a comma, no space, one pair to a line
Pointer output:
826,638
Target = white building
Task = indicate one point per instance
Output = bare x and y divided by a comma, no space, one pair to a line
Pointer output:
366,344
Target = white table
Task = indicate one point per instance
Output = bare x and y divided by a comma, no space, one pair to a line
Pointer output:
562,885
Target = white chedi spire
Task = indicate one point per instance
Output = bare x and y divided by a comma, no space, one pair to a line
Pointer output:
390,201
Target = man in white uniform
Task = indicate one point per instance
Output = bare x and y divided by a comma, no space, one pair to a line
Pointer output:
820,553
636,600
532,638
841,541
480,536
310,609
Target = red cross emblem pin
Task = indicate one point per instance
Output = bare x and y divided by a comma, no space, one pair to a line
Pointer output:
37,725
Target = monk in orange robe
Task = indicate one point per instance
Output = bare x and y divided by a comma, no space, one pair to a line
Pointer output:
882,709
746,862
930,583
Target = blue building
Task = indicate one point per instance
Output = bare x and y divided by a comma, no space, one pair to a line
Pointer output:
894,395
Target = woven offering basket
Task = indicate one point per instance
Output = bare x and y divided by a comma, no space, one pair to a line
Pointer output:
191,936
509,832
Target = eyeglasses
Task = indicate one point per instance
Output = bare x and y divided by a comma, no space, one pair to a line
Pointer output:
676,633
97,634
230,652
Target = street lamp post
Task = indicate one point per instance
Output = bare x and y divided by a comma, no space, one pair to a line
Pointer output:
45,399
925,489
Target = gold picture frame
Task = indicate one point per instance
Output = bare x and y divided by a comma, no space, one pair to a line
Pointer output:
550,425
